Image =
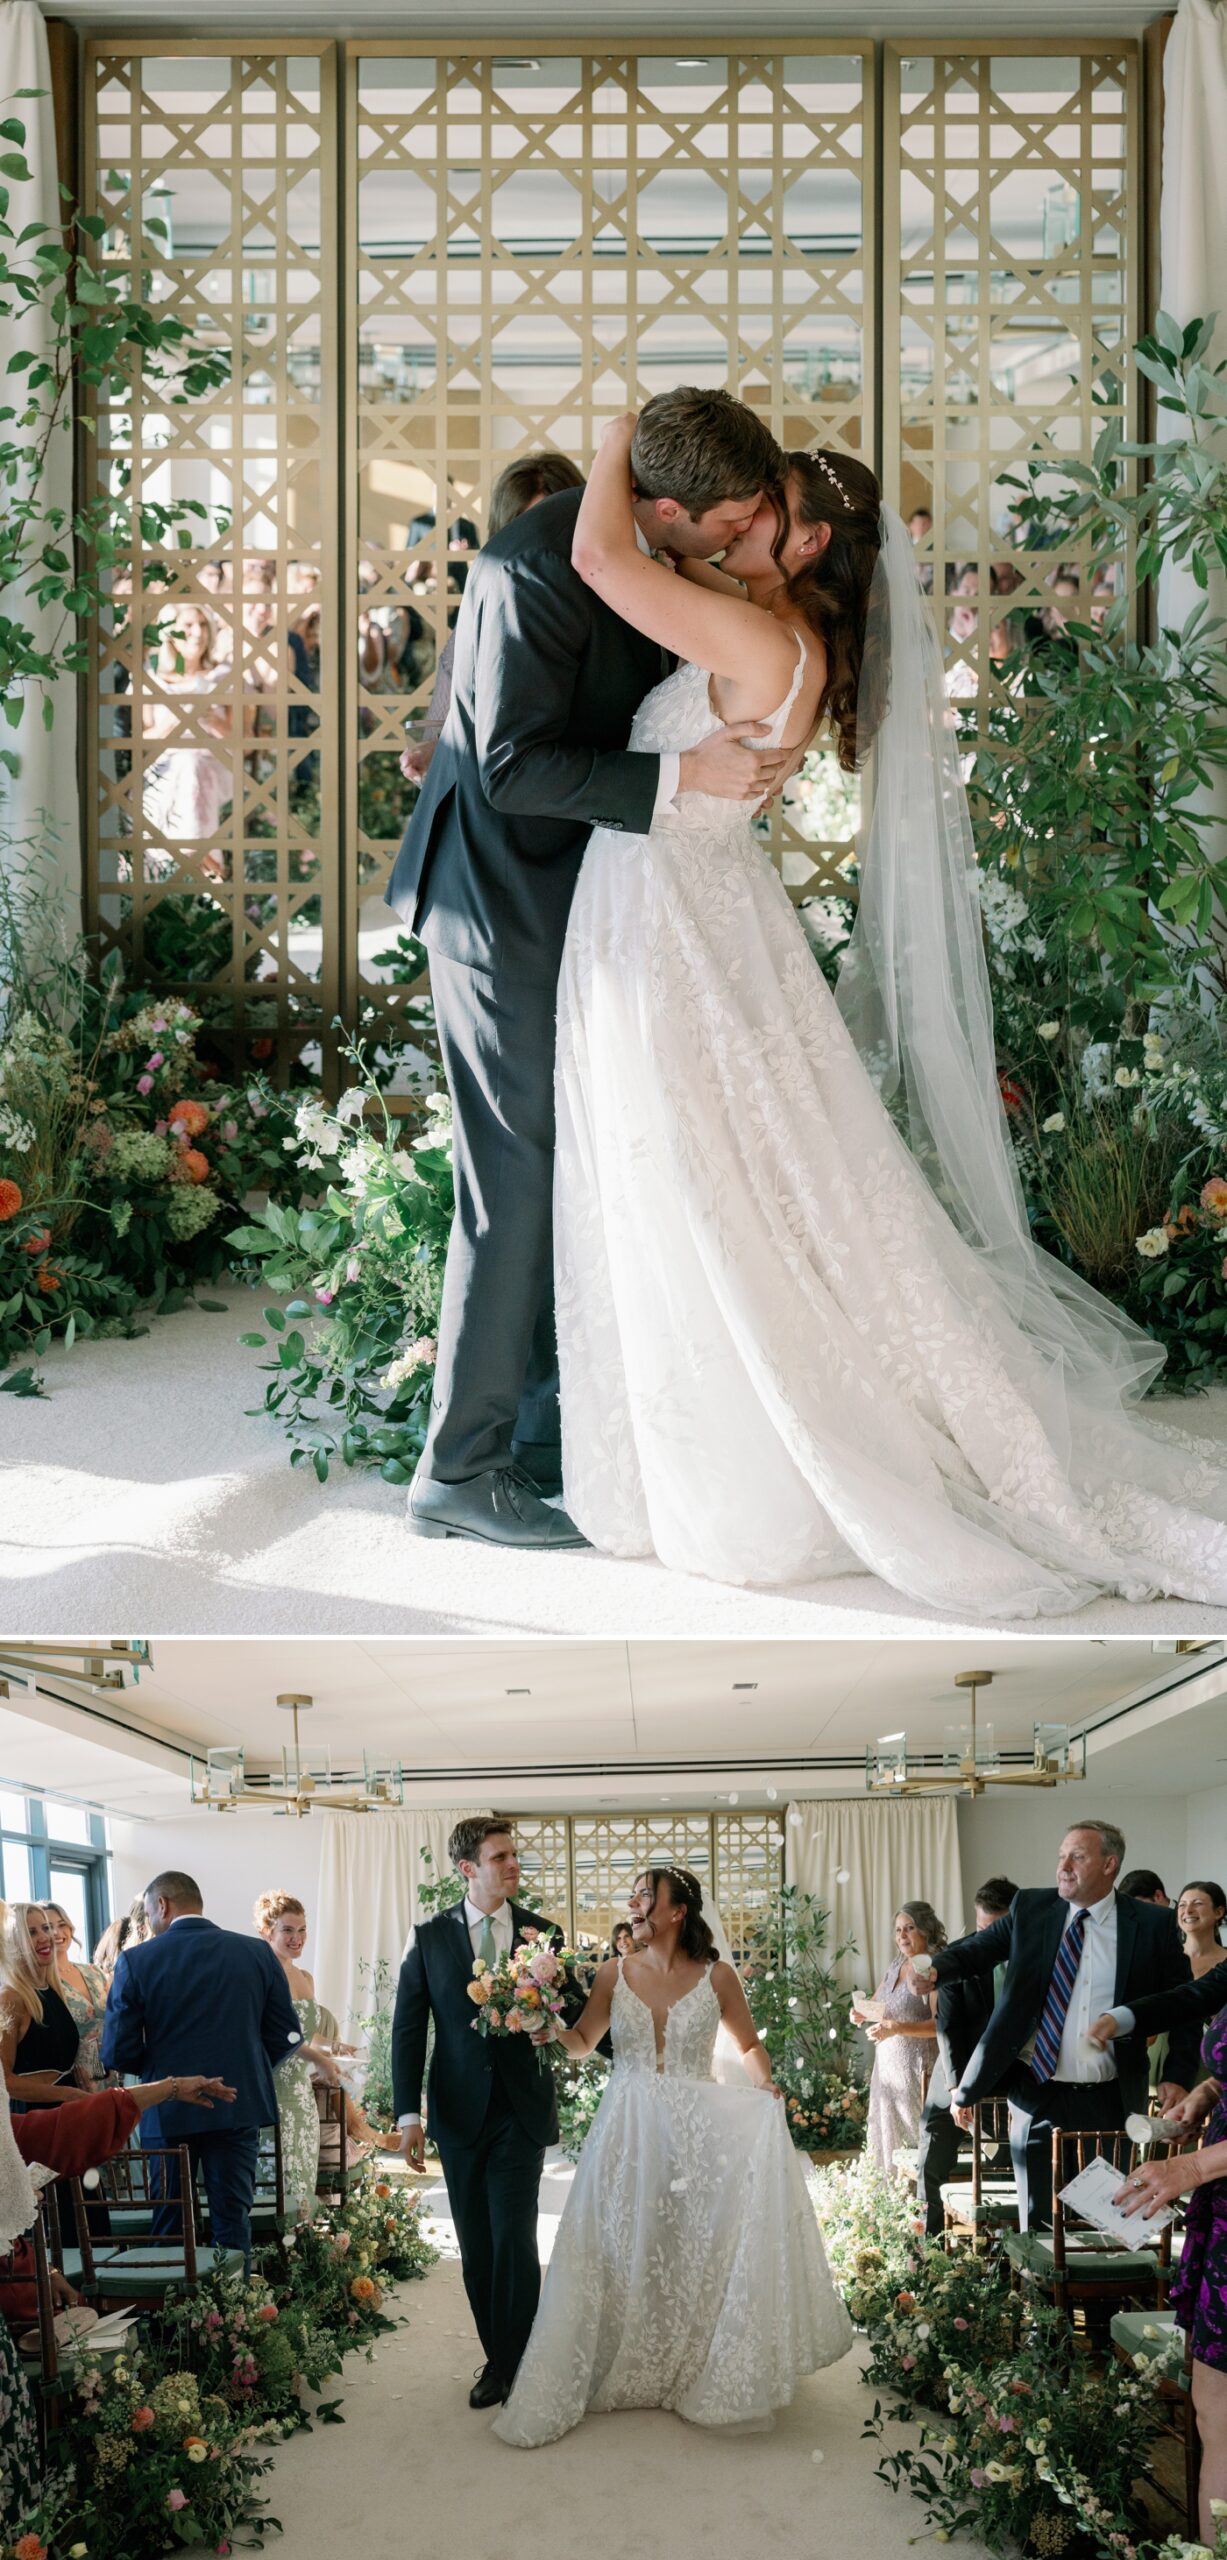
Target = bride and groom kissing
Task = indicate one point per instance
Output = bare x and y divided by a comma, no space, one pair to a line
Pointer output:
688,2271
764,1245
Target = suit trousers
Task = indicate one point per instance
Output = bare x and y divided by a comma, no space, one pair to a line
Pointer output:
227,2163
1036,2110
496,1373
492,2190
938,2151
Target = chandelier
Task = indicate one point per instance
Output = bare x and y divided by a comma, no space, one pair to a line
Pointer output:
221,1781
969,1760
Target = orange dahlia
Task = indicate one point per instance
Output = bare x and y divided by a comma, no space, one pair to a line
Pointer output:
49,1281
10,1199
188,1119
37,1241
190,1166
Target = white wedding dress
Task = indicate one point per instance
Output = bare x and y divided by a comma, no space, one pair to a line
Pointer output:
688,2271
779,1358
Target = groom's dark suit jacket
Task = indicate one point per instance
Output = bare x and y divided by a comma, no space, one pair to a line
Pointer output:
1150,1958
533,755
434,1981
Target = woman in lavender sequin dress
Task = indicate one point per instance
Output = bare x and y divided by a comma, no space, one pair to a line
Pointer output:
1199,2293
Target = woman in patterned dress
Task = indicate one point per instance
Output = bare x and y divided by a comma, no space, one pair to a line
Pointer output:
1199,2293
905,2038
282,1920
83,1990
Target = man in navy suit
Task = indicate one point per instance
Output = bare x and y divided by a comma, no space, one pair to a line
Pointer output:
963,2012
196,1997
1071,1952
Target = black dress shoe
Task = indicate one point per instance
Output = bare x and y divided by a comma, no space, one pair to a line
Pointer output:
541,1462
487,2392
500,1508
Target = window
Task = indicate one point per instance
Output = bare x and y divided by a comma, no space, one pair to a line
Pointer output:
56,1852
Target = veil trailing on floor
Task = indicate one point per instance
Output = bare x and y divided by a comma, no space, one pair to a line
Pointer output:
914,993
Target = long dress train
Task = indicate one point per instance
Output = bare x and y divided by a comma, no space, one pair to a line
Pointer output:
779,1358
688,2272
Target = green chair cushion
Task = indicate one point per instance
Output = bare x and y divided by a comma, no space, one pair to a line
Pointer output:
1135,2331
131,2274
997,2196
1032,2252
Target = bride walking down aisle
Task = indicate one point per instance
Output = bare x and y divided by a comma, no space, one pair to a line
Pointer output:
792,1344
688,2272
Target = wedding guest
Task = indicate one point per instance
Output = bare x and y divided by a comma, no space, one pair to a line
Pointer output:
963,2012
282,1922
1143,1885
194,1993
1198,2293
920,527
39,2037
905,2036
1200,1913
83,1988
109,1946
1069,1950
522,485
623,1940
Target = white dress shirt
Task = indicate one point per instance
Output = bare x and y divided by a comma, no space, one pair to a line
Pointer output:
503,1925
1094,1986
670,765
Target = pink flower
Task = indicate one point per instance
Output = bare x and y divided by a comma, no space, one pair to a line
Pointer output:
324,1296
977,2479
1007,2426
1214,1196
961,2324
213,2320
267,2311
230,1129
144,1084
157,1060
352,1267
907,2362
175,2499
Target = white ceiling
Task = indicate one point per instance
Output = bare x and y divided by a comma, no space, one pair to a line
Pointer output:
609,1709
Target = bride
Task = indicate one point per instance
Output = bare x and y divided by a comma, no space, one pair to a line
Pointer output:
688,2272
791,1343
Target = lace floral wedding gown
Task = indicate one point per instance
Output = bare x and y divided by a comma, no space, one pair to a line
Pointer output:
688,2272
779,1359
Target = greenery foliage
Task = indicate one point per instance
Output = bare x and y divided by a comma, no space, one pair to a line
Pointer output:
165,2445
805,2022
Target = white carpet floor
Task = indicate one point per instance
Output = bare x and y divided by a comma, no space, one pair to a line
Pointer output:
415,2470
138,1497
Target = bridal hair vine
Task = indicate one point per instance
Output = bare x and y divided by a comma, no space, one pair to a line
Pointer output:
832,476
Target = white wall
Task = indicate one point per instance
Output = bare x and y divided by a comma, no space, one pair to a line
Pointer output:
1016,1831
1207,1840
233,1857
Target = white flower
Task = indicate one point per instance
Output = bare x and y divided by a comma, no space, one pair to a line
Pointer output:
1048,1030
1054,1121
1156,1241
1095,1064
1153,1049
1126,1076
352,1103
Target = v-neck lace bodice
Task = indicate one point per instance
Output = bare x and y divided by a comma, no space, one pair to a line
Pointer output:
689,2041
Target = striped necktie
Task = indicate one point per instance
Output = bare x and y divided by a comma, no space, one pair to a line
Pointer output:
1047,2052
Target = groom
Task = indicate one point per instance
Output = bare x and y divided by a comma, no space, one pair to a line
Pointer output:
492,2104
547,680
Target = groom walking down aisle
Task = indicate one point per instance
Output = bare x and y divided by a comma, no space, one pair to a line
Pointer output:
547,680
492,2105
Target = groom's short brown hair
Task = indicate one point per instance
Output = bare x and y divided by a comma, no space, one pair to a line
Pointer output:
466,1840
701,447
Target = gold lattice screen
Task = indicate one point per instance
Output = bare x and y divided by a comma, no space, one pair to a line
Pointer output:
578,1868
1011,280
523,245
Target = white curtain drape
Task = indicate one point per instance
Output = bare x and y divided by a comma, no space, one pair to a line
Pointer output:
889,1854
1193,245
42,803
371,1879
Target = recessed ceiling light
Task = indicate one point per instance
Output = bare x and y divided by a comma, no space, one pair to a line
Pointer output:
690,62
745,1684
517,1693
516,62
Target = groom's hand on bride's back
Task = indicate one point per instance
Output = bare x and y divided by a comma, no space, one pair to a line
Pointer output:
729,766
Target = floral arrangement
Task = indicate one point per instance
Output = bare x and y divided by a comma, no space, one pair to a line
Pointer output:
581,2087
175,2427
802,2016
353,1355
1022,2440
525,1990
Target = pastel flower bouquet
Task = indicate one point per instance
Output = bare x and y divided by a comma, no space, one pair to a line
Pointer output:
526,1989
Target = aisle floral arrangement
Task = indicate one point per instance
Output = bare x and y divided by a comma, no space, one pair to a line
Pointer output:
166,2445
1022,2440
804,2021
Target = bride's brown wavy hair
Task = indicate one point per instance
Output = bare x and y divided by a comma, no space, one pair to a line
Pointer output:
832,590
694,1937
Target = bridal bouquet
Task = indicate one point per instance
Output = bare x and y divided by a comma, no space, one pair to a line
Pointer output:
525,1990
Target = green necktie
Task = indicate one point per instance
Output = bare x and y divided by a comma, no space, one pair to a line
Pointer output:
486,1950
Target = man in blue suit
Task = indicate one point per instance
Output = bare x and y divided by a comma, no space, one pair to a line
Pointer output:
199,1998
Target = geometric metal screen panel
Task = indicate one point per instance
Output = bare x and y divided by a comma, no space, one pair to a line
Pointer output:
212,738
542,240
577,1869
527,243
1011,289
